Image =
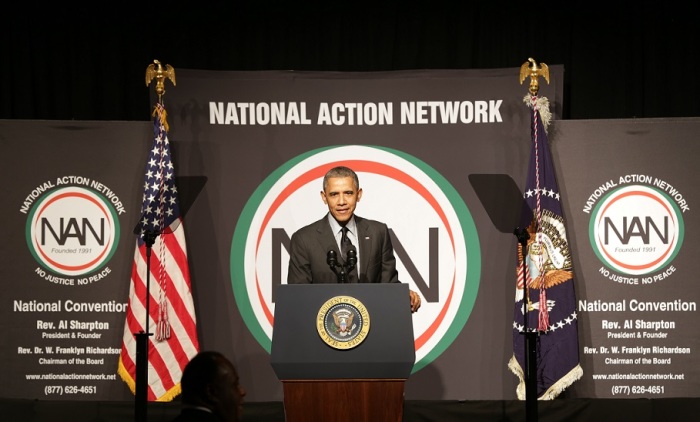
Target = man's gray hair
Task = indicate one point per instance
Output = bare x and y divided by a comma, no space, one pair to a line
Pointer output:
341,171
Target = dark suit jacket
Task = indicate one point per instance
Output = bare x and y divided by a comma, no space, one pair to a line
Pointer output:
310,245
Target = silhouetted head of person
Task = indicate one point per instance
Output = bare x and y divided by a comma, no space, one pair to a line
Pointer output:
211,381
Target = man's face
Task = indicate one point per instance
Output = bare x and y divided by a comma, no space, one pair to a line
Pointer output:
341,195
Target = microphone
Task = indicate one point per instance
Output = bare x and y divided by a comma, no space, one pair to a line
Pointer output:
351,258
331,259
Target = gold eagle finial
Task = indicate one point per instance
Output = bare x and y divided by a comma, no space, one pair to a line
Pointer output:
534,71
160,73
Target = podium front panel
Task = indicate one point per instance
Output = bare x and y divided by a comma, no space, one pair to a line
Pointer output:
299,352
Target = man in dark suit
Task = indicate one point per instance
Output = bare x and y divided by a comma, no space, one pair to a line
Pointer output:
370,239
210,390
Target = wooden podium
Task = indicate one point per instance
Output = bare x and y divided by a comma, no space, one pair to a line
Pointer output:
325,380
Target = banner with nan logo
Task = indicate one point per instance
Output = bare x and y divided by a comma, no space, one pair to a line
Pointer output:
413,137
250,149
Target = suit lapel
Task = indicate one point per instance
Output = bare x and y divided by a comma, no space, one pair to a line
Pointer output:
364,237
326,238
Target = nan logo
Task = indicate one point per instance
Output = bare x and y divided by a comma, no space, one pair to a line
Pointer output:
434,237
636,230
72,231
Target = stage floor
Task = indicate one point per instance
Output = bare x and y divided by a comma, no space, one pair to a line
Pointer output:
570,410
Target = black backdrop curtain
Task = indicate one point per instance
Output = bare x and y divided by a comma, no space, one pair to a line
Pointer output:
622,59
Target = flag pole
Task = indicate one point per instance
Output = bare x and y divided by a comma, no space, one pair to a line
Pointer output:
530,370
141,396
530,69
158,72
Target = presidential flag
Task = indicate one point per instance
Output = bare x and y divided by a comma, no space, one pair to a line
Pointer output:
545,285
171,319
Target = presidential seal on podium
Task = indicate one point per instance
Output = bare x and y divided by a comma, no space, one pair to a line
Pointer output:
343,322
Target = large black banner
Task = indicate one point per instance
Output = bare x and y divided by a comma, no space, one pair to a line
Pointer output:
437,152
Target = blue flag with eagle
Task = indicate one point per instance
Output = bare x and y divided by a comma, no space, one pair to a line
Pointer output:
547,274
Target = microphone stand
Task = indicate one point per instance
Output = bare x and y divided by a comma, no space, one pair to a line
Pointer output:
530,369
141,395
341,271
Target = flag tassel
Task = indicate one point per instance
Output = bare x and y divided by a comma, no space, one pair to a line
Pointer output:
163,325
543,320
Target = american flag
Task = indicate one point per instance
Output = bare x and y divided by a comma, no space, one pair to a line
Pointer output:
545,287
172,319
